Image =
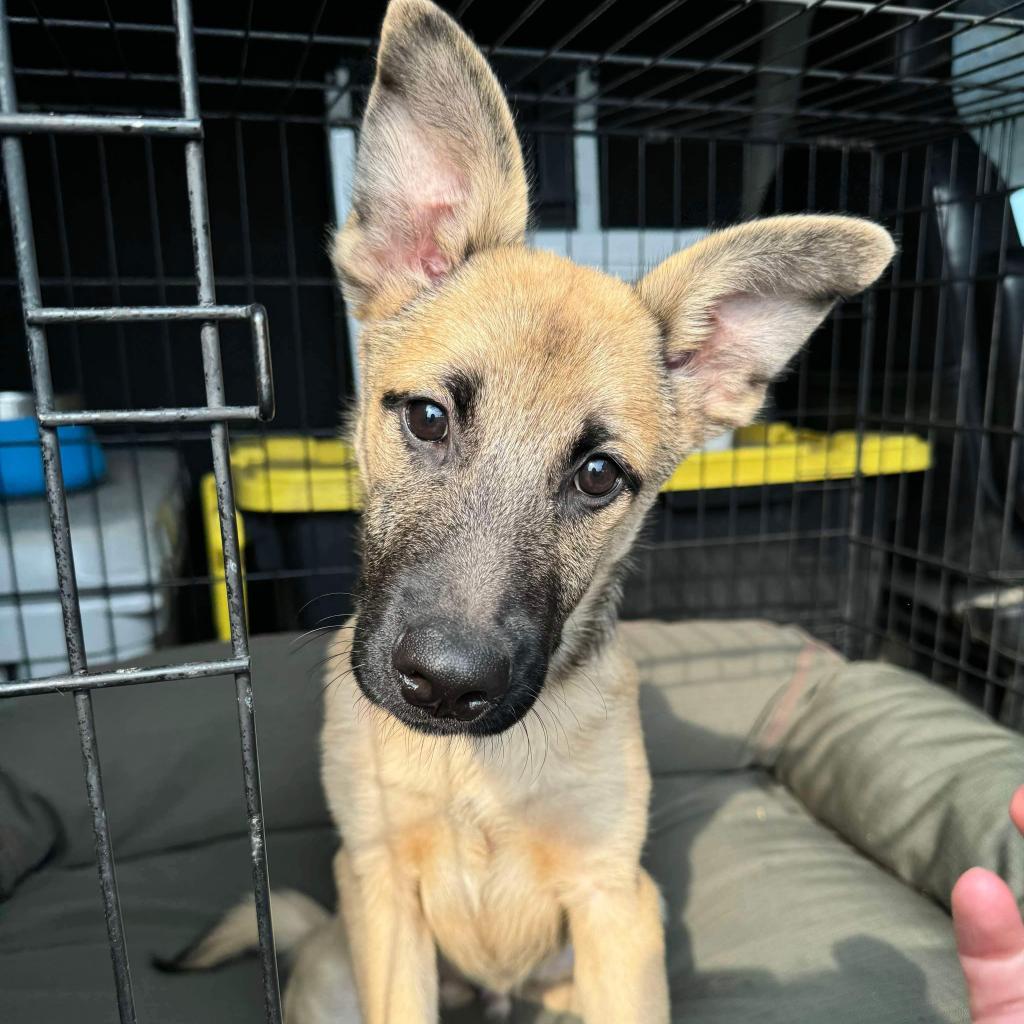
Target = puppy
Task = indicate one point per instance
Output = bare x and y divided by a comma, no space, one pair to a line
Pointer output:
482,750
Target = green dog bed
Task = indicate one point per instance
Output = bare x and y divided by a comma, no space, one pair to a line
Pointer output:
809,819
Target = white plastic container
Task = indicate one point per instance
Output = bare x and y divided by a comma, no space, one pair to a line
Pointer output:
127,534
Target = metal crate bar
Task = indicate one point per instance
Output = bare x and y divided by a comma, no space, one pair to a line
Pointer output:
195,172
142,314
902,10
185,414
557,54
253,312
122,677
538,56
95,124
28,279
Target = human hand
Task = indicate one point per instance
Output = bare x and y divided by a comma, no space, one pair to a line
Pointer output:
990,940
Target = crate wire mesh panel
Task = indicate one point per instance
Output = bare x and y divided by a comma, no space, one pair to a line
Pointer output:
645,126
217,412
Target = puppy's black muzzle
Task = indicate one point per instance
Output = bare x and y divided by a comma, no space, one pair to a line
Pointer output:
447,646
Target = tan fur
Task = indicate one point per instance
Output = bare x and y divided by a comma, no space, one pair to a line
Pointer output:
485,857
497,851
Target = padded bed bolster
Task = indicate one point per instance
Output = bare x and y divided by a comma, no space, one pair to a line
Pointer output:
907,772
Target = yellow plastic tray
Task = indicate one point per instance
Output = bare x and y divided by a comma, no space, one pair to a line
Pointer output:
286,473
776,453
305,474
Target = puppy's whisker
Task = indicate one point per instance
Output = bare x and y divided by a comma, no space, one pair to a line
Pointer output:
324,597
317,632
528,758
339,617
596,688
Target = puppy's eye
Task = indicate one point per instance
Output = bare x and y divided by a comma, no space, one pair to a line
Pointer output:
427,420
598,476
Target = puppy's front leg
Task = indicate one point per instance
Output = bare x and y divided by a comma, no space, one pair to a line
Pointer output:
619,945
393,954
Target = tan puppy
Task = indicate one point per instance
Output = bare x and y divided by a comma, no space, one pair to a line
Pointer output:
482,749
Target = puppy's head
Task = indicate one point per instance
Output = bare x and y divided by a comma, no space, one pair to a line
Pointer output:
518,413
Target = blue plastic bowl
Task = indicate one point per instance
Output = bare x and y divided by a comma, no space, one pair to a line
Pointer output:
21,463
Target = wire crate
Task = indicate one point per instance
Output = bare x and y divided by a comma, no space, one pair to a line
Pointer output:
172,174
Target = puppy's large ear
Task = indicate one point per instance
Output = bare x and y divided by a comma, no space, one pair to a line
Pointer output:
439,173
738,305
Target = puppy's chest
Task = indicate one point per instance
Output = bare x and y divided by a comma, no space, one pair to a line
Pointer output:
489,886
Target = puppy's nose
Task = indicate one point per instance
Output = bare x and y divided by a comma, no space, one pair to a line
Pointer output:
449,672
